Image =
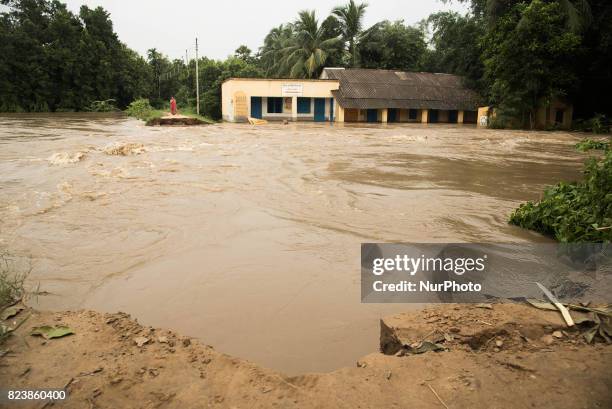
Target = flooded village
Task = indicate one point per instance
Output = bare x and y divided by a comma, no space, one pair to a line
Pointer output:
192,249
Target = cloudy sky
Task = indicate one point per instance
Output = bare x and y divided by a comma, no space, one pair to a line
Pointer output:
222,25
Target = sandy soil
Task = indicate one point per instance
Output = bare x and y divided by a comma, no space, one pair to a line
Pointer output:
504,357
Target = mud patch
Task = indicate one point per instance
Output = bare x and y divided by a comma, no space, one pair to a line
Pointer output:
177,121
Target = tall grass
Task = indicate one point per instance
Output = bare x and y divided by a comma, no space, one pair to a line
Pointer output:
12,290
12,278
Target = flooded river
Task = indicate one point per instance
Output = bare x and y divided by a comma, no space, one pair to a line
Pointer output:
249,237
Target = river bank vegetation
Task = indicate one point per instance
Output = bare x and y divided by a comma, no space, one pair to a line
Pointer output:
574,212
516,53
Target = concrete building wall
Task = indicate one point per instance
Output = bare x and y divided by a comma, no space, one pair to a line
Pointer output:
232,90
546,115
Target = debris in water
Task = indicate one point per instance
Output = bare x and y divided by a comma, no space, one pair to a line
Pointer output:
124,149
65,158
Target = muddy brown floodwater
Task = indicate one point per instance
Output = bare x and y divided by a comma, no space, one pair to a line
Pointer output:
249,237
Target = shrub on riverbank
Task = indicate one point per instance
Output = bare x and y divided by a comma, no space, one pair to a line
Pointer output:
139,108
599,124
587,144
574,212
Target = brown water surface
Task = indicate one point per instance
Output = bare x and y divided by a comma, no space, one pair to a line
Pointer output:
249,237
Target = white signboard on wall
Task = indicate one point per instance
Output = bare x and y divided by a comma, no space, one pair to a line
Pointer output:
293,90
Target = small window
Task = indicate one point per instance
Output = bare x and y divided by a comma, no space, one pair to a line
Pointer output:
412,114
303,105
559,116
275,105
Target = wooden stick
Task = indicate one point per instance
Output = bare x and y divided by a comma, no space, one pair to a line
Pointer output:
437,396
564,311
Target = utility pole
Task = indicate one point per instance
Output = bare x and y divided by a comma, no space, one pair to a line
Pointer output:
197,81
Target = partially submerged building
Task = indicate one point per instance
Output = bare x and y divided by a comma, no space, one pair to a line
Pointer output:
352,95
554,114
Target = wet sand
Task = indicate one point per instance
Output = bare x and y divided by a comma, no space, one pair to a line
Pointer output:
248,237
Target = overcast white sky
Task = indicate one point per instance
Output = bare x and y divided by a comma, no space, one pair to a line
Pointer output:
222,25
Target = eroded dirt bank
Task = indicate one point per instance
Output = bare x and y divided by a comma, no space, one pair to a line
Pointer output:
516,363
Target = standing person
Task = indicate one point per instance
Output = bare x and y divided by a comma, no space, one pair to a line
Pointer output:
173,106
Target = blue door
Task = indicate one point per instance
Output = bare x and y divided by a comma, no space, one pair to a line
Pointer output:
372,115
452,117
331,110
392,115
433,116
256,107
319,112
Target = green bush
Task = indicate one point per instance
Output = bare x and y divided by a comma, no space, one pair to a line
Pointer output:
140,108
574,212
599,124
587,144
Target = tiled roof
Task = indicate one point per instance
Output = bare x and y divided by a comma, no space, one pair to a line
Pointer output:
364,88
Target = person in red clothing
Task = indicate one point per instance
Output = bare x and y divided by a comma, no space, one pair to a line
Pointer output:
173,106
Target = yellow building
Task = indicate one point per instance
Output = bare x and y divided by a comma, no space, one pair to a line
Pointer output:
278,99
352,95
555,114
558,113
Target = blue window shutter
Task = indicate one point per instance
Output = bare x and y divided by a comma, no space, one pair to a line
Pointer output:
303,105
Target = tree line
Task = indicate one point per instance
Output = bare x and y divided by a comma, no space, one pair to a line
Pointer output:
515,53
54,60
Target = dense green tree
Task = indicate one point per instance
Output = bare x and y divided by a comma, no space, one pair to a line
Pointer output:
594,70
245,54
579,68
54,60
219,72
392,45
456,46
576,13
528,59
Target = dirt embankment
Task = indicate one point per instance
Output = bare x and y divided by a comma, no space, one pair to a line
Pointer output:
505,356
180,120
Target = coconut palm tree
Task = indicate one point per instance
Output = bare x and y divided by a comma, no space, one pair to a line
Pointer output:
272,51
351,18
307,54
